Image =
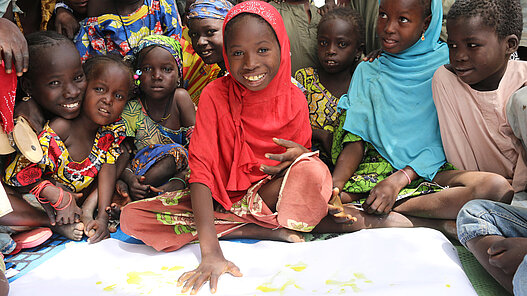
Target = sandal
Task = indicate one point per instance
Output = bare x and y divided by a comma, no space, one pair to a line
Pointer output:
31,238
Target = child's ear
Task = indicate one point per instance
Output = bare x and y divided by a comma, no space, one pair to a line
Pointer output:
360,51
512,43
25,84
427,22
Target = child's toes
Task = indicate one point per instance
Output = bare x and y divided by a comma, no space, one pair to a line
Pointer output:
78,231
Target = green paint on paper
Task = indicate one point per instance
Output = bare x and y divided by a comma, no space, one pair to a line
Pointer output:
368,282
110,288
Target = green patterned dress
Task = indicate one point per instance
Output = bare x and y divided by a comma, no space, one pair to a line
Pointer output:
374,168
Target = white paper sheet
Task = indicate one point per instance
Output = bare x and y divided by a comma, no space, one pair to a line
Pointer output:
369,262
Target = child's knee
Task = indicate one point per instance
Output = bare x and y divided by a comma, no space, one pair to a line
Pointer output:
305,195
473,220
493,187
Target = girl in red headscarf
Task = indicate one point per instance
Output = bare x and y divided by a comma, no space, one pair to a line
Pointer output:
244,182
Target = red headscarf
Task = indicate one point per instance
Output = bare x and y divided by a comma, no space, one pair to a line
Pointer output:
235,126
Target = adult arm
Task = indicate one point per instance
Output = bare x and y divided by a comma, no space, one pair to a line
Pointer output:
13,48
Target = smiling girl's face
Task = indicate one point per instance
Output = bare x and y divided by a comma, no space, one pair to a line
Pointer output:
252,51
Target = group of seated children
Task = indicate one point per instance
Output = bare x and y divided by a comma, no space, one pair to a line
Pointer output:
199,134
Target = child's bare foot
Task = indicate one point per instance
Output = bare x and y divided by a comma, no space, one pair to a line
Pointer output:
114,211
72,231
86,219
257,232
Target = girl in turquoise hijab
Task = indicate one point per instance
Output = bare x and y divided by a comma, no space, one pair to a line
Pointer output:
388,146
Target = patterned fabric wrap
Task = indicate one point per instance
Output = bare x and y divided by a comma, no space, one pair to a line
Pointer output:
58,164
150,155
147,132
215,9
374,168
323,112
168,43
170,217
7,98
110,33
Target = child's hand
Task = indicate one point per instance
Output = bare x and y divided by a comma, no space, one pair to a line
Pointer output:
97,230
375,54
293,151
137,189
507,254
337,210
382,197
66,24
70,214
210,269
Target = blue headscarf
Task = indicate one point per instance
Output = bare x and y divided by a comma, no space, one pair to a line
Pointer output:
215,9
389,102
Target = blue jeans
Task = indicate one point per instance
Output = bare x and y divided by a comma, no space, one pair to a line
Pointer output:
485,217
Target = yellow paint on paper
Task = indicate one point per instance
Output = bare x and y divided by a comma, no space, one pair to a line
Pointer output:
297,267
175,268
359,275
447,285
110,288
265,288
98,283
135,278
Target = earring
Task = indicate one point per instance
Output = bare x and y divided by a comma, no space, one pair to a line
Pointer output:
423,37
26,98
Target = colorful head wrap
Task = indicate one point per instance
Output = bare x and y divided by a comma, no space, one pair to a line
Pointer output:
214,9
168,43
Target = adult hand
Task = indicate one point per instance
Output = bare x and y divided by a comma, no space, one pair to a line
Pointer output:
13,48
210,269
65,23
507,254
293,151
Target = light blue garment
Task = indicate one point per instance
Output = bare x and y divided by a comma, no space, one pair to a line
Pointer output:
389,103
485,217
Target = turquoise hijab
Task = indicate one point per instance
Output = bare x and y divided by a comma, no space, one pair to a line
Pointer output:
389,103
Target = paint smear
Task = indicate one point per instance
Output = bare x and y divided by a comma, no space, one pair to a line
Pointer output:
297,267
136,278
98,283
110,288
